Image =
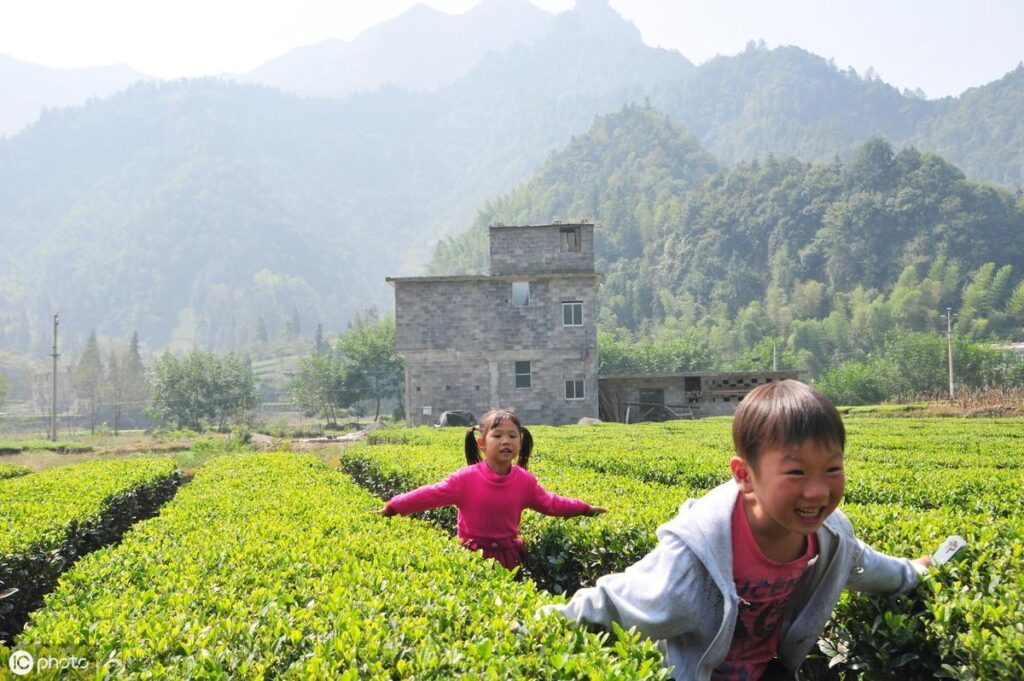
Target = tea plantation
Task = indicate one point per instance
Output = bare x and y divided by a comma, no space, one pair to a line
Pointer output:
272,566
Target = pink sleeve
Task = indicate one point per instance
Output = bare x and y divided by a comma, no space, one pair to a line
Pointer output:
547,503
424,498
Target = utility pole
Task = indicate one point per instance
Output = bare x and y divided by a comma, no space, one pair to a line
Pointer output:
53,395
775,358
949,347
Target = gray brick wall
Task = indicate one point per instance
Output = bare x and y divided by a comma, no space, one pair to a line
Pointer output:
460,337
540,248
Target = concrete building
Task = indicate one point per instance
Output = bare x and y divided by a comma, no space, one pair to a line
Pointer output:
522,337
661,397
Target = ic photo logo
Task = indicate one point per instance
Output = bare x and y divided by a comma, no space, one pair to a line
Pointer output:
21,662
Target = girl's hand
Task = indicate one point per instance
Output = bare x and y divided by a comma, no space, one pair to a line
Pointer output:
596,510
384,511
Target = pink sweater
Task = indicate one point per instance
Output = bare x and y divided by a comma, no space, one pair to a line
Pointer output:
490,505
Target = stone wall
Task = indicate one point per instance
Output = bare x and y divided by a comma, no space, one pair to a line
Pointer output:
477,381
539,249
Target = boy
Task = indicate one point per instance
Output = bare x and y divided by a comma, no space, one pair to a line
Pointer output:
743,580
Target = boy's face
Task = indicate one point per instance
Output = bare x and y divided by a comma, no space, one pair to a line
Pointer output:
791,490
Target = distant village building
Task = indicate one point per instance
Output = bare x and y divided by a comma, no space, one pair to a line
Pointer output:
525,337
662,397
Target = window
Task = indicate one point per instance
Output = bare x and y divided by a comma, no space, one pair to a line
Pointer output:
523,375
572,313
570,238
574,389
520,293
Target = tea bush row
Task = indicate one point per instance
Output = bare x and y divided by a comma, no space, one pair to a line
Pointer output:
910,484
272,566
8,470
49,519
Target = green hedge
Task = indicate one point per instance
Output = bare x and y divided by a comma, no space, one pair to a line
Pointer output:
8,470
49,519
910,483
62,446
272,566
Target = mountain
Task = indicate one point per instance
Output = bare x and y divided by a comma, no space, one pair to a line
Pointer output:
421,50
628,161
982,130
776,247
787,101
204,210
188,210
25,89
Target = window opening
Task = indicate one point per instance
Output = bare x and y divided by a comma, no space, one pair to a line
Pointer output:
574,390
520,293
523,377
570,238
572,313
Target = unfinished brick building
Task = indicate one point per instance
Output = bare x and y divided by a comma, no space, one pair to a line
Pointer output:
522,337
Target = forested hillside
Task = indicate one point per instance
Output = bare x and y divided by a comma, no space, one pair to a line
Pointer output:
825,261
217,213
211,212
787,101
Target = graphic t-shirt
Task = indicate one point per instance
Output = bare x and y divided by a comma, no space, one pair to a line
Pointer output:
763,586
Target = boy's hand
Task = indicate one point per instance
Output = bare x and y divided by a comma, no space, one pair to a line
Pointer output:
596,510
923,561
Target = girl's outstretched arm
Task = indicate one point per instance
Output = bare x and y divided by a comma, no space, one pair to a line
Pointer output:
545,502
444,493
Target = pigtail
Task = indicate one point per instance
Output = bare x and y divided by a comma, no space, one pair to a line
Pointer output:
526,448
472,448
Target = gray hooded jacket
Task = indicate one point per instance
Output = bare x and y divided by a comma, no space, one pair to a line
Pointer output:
683,594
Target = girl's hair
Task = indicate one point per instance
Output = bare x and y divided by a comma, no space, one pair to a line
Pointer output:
493,419
783,414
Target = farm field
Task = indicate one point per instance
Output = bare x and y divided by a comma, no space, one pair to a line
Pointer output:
271,566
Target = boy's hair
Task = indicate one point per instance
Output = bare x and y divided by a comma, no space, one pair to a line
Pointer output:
493,419
783,414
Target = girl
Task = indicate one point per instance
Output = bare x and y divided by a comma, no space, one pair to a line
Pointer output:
492,493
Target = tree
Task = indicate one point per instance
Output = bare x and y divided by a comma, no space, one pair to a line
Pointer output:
319,344
201,387
124,386
115,384
293,326
319,386
367,356
134,375
854,383
88,376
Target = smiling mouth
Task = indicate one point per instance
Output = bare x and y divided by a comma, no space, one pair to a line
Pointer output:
810,514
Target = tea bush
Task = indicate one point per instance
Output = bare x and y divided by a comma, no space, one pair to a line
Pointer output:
910,483
272,566
49,519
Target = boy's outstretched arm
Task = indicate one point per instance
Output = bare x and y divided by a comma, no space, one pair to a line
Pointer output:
657,595
877,573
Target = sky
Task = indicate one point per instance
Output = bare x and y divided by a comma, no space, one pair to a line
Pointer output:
940,46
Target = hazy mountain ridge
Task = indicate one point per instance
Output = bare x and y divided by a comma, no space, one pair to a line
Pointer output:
189,209
422,49
765,244
164,179
26,89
